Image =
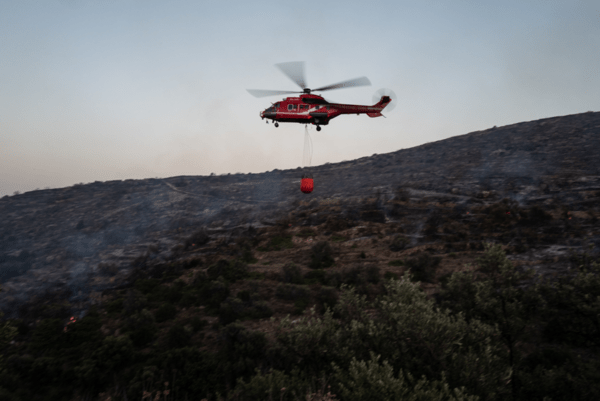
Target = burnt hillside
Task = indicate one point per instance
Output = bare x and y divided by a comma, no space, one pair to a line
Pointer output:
81,240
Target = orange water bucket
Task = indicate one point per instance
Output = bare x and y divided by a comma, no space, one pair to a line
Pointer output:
306,185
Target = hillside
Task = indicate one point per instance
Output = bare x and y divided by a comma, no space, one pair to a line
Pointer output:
54,240
202,252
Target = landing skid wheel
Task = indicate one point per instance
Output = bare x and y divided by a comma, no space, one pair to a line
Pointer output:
318,128
276,124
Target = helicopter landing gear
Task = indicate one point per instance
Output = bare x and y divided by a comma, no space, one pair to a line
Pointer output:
318,128
276,124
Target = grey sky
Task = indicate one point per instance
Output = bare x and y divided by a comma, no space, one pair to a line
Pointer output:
103,90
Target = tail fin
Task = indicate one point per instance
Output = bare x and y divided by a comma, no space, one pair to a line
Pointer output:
376,114
385,100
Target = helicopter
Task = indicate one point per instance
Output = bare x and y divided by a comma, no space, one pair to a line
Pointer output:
309,108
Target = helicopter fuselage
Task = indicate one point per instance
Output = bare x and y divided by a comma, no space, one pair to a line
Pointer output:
313,109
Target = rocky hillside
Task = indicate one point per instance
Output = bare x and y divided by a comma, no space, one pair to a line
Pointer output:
532,186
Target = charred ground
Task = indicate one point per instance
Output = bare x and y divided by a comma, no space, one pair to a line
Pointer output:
199,253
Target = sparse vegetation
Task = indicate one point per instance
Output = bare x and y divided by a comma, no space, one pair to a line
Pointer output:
423,267
321,255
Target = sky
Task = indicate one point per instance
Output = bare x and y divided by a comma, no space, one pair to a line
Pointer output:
101,90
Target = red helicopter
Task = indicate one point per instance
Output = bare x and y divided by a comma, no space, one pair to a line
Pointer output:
313,109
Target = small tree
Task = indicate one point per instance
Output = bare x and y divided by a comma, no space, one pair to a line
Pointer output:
497,299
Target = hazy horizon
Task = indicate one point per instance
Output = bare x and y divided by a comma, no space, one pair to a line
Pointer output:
104,90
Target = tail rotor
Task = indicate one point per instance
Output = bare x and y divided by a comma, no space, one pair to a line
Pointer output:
386,92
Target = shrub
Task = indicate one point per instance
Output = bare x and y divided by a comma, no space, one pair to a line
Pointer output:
315,276
115,306
398,243
291,292
338,238
231,271
197,323
260,310
146,286
231,310
423,267
178,336
402,194
321,255
213,293
306,232
397,262
358,275
134,301
242,351
46,336
277,243
270,385
336,223
390,276
168,293
189,297
292,274
326,297
165,312
372,381
299,294
141,327
198,238
535,216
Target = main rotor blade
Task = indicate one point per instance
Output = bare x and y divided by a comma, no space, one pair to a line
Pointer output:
263,93
362,81
295,71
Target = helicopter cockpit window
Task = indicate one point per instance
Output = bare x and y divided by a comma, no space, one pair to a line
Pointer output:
290,106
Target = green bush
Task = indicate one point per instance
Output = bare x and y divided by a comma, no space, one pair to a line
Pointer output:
372,381
299,294
134,301
242,351
260,310
230,310
357,275
213,293
321,255
197,323
189,297
115,306
165,312
414,334
326,297
398,243
230,271
277,243
390,276
315,276
306,232
146,286
271,385
338,238
291,273
46,337
291,292
198,238
423,267
141,328
178,336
